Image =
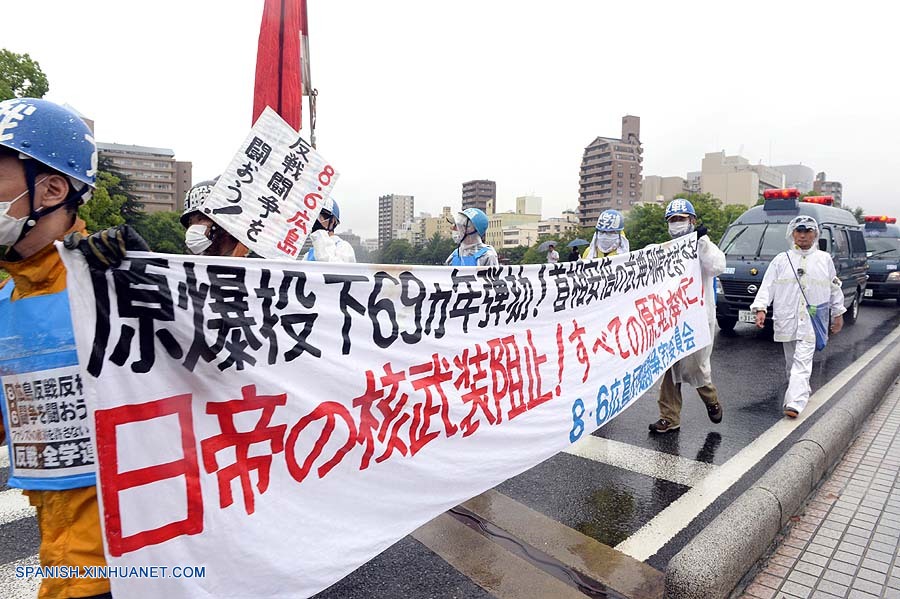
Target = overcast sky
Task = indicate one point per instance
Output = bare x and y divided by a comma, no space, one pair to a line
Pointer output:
417,96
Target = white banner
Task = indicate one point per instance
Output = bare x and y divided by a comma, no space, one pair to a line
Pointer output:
272,192
280,424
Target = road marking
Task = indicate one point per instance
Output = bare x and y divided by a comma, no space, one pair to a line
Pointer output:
649,462
14,506
653,536
18,588
489,565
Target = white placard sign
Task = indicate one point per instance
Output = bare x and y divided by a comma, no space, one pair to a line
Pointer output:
272,192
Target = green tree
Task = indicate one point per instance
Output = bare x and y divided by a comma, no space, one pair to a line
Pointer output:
512,255
646,225
712,214
398,251
132,209
162,231
20,76
434,251
104,208
857,213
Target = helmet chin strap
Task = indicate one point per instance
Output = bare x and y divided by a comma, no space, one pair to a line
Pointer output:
34,214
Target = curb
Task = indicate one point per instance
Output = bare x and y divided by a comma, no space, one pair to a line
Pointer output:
715,561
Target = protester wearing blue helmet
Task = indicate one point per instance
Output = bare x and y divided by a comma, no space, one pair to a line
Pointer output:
609,237
48,165
469,228
695,369
326,246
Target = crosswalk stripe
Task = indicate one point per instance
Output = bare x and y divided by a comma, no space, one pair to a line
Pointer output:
18,588
654,535
657,464
14,506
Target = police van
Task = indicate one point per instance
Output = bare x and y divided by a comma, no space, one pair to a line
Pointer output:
760,234
883,243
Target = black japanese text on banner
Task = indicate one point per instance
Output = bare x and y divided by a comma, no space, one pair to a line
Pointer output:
272,192
244,404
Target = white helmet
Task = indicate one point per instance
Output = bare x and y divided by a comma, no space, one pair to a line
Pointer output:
195,197
802,222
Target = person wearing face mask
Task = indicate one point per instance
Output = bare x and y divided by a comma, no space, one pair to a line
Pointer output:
202,235
469,228
803,275
326,246
48,166
609,237
695,369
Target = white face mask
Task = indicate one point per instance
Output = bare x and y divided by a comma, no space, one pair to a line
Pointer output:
607,241
10,228
196,240
679,228
456,236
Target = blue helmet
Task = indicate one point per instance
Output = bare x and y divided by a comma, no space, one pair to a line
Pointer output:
50,134
479,219
680,206
610,220
331,206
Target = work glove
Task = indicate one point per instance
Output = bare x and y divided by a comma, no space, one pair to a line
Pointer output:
106,249
701,231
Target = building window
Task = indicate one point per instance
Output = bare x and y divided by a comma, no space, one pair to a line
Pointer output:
619,174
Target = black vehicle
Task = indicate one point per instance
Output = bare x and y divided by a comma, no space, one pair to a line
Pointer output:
883,244
760,234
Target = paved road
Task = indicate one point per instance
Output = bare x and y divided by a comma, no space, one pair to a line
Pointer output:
617,506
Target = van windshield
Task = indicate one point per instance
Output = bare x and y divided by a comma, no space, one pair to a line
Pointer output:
755,240
883,247
774,240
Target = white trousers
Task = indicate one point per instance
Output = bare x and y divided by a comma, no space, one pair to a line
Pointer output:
798,359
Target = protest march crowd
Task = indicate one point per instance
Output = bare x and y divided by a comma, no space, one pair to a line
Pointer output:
48,165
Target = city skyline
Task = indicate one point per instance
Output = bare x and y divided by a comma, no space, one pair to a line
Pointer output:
404,108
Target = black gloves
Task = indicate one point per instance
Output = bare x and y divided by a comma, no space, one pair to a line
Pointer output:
106,249
701,231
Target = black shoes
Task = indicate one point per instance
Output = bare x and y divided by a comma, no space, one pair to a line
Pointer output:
663,426
715,412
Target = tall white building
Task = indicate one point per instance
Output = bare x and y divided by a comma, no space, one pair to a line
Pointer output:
528,205
733,180
799,176
394,212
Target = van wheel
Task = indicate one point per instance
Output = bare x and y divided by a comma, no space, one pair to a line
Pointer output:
853,311
727,324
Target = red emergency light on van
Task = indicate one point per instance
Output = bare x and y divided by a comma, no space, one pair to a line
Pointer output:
823,200
781,194
890,220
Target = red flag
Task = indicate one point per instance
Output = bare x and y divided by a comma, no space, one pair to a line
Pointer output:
278,62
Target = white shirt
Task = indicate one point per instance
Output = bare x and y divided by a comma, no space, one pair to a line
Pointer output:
330,248
552,256
695,369
781,288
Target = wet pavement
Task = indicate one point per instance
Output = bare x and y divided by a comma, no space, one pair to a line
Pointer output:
595,503
846,540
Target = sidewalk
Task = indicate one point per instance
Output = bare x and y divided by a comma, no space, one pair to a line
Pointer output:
845,543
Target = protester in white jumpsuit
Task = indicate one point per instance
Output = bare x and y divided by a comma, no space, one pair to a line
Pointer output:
469,228
609,237
326,246
804,264
694,369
